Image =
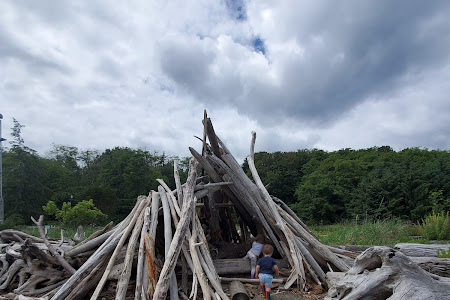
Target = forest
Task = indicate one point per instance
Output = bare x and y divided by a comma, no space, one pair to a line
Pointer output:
321,187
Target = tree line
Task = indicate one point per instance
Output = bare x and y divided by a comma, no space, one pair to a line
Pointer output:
320,186
112,179
375,183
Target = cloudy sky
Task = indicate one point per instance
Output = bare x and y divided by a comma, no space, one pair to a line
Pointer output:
302,74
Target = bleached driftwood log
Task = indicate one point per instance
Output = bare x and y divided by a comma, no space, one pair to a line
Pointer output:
382,273
421,250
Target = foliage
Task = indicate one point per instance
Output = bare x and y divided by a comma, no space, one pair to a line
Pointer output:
83,213
381,232
112,179
435,226
25,177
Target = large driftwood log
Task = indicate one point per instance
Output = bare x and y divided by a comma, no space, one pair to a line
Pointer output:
240,266
421,250
382,273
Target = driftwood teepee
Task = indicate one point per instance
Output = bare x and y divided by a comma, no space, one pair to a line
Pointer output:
163,242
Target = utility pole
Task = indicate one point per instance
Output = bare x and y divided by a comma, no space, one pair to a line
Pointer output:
2,206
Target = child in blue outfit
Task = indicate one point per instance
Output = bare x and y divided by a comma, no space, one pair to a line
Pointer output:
265,268
254,252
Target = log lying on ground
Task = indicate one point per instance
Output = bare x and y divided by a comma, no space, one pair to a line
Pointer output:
382,273
421,250
239,266
238,291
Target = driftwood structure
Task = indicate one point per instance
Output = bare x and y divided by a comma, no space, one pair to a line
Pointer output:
164,248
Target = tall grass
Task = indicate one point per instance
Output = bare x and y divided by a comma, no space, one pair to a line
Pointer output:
380,232
436,226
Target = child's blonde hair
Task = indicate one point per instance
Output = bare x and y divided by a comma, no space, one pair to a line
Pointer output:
267,249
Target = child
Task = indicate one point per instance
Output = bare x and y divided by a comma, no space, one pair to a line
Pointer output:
264,270
254,252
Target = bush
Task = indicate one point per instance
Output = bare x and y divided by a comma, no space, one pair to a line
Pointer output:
435,226
83,213
12,221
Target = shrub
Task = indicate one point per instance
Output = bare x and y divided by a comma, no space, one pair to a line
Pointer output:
435,226
12,221
83,213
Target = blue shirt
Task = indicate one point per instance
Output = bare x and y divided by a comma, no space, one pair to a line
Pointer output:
266,265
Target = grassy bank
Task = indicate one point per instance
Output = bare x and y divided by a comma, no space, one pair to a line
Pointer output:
381,232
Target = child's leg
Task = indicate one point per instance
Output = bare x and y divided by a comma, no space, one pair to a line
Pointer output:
268,284
263,288
253,264
268,292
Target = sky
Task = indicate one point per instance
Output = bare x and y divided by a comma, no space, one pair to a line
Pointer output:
301,74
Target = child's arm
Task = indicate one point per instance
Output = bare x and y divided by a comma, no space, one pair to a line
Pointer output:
275,268
257,271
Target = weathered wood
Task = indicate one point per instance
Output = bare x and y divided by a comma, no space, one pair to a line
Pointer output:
176,175
119,245
88,282
238,291
196,260
168,239
248,280
141,255
292,214
61,260
434,265
382,273
215,177
175,246
241,188
239,266
99,255
318,247
421,250
124,278
96,234
279,222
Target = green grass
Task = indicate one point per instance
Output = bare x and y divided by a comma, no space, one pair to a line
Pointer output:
435,226
381,232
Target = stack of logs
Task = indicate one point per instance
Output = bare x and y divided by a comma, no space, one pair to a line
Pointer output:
141,253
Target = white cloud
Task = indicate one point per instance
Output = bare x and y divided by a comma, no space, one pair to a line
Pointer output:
139,74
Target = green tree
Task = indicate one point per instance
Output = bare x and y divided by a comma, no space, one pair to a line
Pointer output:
83,213
25,178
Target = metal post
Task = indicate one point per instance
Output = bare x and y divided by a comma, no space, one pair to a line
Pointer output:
2,208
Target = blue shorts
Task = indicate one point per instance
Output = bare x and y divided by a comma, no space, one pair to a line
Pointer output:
266,279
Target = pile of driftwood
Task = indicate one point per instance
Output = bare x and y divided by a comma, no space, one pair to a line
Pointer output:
163,247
